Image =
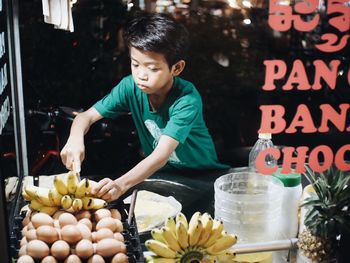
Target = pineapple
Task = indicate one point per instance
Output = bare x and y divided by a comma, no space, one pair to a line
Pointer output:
328,215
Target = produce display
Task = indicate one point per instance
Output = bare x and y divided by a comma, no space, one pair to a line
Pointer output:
95,236
201,239
68,193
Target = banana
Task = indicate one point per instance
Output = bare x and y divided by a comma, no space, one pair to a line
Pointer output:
87,203
170,238
181,234
218,226
31,190
50,210
60,185
83,188
207,227
98,203
156,233
160,249
42,195
26,196
194,219
55,197
194,232
170,223
227,256
72,182
35,205
77,204
155,259
181,217
66,202
223,243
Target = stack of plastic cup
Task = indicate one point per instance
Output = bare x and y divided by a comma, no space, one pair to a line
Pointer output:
249,204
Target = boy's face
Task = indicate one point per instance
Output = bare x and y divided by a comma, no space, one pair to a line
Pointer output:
151,72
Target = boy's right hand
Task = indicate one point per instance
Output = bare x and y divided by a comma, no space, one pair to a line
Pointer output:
73,153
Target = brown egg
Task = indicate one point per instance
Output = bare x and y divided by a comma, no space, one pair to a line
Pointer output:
23,241
30,226
102,213
84,248
31,235
120,227
116,214
86,222
67,219
22,251
71,234
24,231
84,230
118,236
93,236
42,219
25,259
60,249
107,222
49,259
57,214
96,259
37,249
48,234
104,233
83,214
120,258
94,245
72,259
109,247
25,221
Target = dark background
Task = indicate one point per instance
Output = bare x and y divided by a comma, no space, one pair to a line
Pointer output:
76,69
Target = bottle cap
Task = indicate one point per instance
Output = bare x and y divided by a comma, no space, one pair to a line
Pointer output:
289,180
266,136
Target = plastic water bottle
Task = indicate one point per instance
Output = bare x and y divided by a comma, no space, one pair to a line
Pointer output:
264,142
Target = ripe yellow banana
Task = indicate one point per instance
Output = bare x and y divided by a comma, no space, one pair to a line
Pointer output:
83,188
170,238
72,182
156,233
50,210
35,205
207,227
218,226
31,191
170,223
42,195
180,217
66,202
26,196
160,249
227,256
77,204
155,259
181,234
221,244
60,185
194,232
55,197
93,203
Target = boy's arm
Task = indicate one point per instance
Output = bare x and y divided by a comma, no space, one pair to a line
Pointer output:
112,190
73,152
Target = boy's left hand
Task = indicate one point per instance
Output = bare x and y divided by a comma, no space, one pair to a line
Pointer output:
107,189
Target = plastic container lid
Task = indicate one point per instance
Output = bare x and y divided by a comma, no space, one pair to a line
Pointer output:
288,180
264,136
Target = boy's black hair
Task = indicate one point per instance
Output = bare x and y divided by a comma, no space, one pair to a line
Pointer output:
158,33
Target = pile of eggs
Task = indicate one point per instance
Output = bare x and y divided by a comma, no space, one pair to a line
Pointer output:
93,237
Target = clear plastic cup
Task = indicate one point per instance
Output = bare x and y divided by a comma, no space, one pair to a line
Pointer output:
249,204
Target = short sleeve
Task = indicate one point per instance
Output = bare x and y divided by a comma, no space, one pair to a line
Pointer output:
182,120
116,101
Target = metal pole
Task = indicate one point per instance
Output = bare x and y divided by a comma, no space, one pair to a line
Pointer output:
276,245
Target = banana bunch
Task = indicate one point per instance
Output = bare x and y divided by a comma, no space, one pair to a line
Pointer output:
68,193
180,241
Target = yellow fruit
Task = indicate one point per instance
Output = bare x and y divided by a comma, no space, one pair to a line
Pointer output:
181,234
60,185
72,182
160,249
170,239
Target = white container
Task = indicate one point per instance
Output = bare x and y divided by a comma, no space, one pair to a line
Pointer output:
248,203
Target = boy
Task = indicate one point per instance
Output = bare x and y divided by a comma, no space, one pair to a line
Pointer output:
166,109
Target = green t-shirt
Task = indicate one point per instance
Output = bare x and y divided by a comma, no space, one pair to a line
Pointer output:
180,117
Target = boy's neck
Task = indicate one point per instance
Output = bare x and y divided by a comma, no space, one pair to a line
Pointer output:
157,99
